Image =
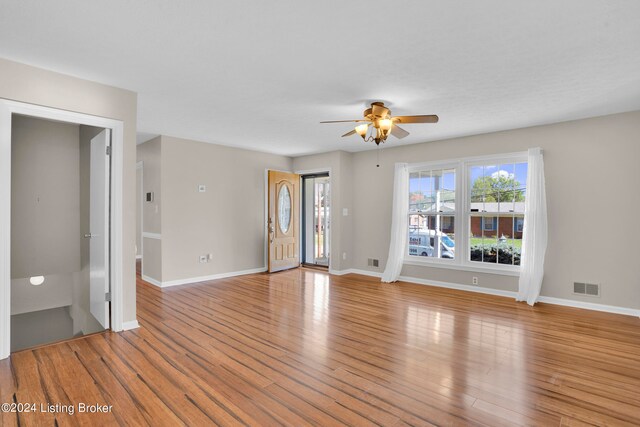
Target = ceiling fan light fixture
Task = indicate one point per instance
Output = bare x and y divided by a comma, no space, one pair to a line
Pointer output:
362,130
380,137
385,126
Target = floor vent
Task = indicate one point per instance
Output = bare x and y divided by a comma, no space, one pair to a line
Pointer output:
372,262
590,289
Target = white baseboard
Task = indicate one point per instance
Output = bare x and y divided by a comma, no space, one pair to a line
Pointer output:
127,326
152,281
590,306
377,274
356,271
189,280
460,287
499,292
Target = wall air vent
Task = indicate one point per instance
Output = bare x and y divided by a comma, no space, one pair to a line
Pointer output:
372,262
590,289
593,289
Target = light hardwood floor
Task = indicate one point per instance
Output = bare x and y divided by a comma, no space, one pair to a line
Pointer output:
302,347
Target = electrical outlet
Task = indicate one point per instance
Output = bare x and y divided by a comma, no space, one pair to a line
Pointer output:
344,255
203,258
474,280
202,188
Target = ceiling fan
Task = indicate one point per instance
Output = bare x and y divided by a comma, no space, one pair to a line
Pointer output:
383,123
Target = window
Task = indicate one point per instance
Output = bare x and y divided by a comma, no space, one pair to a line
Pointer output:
489,223
432,209
496,195
477,228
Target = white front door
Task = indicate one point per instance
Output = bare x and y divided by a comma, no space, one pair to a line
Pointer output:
99,228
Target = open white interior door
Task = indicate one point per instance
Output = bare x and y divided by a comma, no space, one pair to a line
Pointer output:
99,228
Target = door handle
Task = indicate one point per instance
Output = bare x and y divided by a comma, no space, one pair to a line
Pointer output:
88,236
271,230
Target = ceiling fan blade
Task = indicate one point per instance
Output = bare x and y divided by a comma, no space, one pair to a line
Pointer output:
344,121
349,133
398,132
416,119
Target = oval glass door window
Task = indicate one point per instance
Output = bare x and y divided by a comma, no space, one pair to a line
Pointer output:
284,209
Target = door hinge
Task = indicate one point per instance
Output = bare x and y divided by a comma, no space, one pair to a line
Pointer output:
107,297
108,150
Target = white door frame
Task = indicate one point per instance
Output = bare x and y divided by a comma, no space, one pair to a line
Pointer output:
140,207
7,108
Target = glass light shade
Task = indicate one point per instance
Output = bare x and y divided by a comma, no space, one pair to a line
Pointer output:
362,129
36,280
385,124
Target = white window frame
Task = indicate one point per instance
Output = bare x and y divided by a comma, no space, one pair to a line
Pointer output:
436,166
462,223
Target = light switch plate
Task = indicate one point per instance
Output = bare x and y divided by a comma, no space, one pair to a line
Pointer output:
345,211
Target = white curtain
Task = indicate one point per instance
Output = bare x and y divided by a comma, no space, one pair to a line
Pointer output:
534,243
399,226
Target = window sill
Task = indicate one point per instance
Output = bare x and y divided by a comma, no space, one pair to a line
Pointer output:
462,267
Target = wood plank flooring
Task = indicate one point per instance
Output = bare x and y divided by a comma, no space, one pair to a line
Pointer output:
305,348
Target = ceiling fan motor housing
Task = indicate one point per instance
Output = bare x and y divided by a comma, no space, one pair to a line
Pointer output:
377,112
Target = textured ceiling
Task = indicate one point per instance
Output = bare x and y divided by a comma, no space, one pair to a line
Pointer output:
261,75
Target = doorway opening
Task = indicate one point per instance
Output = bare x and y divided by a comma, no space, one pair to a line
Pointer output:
60,231
114,235
316,220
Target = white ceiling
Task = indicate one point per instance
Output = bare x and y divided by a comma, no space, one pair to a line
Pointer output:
262,74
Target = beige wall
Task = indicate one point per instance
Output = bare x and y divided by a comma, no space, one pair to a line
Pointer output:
592,175
45,198
149,154
57,291
339,164
227,220
152,259
23,83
